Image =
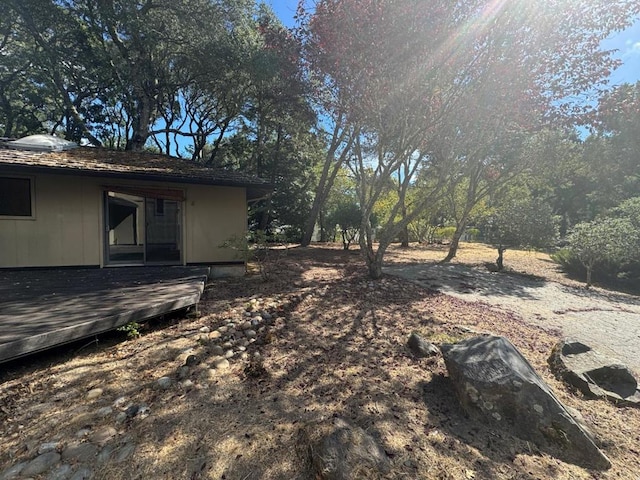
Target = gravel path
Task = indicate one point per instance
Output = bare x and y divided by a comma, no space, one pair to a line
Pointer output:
608,321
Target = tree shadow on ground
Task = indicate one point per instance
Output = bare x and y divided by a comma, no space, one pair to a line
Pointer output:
457,278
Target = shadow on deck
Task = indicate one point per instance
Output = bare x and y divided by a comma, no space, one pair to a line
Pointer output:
40,309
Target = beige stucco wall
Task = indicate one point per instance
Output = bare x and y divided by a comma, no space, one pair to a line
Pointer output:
213,215
68,228
65,230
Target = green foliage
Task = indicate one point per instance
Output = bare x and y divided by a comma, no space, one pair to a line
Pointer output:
132,329
444,233
347,216
605,244
520,222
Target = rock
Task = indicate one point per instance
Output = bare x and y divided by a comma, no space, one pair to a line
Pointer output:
420,347
48,447
63,472
80,452
164,383
594,374
94,393
83,473
340,451
215,334
229,353
191,360
204,329
40,464
183,372
105,454
13,471
104,411
102,435
250,333
221,364
124,453
217,351
495,383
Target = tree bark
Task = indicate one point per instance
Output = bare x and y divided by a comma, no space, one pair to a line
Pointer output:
455,242
500,259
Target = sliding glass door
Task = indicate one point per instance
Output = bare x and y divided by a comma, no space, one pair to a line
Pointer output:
142,230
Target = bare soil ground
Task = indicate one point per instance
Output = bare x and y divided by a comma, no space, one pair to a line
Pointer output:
337,348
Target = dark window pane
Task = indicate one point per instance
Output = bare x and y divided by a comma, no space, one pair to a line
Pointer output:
15,197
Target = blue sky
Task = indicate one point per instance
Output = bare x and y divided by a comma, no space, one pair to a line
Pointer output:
627,43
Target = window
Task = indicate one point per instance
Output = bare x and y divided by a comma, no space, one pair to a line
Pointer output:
159,207
16,197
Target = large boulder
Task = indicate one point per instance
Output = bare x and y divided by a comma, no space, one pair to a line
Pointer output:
338,450
495,383
593,373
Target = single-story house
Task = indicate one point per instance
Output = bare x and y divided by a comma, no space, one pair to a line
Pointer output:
63,205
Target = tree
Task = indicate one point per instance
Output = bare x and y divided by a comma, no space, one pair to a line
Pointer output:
396,74
346,216
520,222
597,242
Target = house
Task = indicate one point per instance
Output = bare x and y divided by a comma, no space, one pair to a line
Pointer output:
62,205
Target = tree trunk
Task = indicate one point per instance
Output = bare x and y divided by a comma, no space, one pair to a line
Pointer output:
500,259
588,277
455,242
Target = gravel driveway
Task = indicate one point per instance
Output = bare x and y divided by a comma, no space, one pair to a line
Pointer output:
608,321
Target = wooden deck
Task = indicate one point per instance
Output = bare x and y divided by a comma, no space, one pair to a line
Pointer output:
40,309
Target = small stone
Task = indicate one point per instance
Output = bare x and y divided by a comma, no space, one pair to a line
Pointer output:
83,432
105,454
191,360
241,348
121,417
243,343
215,334
104,411
80,452
246,325
266,316
204,330
183,372
228,354
13,471
118,402
47,447
164,383
102,435
124,453
227,345
83,473
250,334
40,464
94,393
244,355
221,364
131,411
223,329
217,350
143,412
187,384
63,472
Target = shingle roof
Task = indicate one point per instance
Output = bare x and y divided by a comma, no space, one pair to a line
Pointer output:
91,161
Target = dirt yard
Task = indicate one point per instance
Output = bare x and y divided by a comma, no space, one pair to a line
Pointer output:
188,400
